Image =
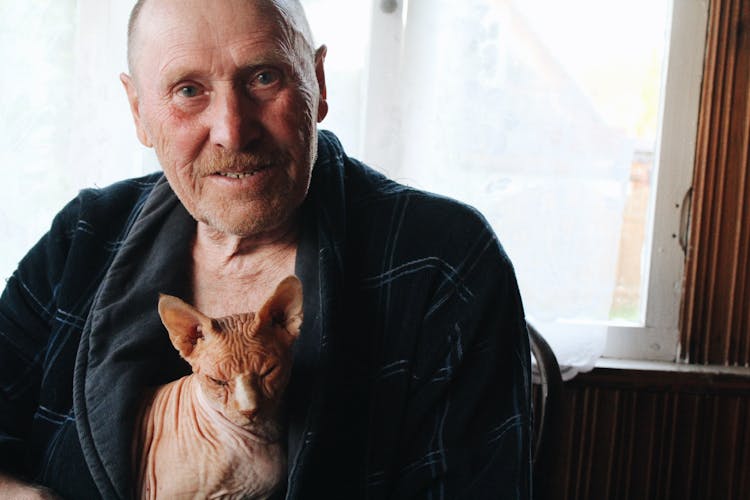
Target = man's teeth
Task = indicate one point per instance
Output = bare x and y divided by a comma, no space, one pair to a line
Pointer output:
238,175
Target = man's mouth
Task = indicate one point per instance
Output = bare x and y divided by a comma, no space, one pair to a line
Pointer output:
242,175
235,175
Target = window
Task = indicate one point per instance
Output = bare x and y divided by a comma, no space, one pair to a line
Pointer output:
65,122
573,134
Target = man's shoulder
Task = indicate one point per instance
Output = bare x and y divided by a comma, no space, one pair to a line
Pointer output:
101,212
120,197
374,196
368,190
379,209
121,194
418,223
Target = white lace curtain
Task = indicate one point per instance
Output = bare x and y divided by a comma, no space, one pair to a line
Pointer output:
65,123
64,120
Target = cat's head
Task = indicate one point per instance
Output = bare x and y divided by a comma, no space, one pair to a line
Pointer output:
242,361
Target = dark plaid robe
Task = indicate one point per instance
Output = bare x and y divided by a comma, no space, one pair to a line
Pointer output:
411,375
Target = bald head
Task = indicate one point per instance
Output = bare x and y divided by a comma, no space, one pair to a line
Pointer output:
288,13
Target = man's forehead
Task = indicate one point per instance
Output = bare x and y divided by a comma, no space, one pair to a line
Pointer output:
171,14
284,13
176,22
169,29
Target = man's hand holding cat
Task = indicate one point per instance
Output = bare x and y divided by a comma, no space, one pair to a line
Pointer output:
15,489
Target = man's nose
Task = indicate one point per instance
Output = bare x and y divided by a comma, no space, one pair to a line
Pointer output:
234,120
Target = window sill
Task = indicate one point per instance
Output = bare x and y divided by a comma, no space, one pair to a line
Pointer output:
671,367
664,377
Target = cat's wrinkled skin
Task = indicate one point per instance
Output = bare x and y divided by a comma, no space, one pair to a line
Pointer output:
216,433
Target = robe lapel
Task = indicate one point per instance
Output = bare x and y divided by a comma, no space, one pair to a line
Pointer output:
124,347
320,267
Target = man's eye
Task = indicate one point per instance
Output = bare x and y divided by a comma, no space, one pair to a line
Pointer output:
266,78
188,91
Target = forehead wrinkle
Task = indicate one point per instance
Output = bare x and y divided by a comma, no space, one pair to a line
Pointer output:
286,15
243,54
160,24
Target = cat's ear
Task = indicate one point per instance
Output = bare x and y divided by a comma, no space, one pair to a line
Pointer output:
185,324
284,307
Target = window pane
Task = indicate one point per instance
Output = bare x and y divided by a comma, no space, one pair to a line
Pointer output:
64,117
543,115
347,44
35,109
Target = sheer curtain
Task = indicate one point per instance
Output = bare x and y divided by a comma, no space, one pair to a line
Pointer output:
64,118
513,106
545,121
65,122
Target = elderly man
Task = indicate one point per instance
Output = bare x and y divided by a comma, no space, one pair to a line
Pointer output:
410,378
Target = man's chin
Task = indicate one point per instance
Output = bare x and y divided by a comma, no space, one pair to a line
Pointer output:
249,224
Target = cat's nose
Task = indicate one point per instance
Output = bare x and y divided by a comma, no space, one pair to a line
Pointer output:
245,397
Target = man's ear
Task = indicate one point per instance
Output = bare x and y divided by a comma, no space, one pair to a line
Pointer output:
185,324
132,92
320,75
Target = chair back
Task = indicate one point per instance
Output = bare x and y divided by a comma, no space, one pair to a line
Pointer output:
547,414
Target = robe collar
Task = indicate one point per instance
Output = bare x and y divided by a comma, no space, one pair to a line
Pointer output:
124,348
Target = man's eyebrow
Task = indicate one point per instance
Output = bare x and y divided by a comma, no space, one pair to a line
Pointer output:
174,76
170,78
175,70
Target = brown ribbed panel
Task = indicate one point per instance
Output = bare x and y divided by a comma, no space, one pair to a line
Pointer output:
654,435
716,307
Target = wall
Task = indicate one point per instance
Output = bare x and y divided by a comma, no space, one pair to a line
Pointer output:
654,435
682,434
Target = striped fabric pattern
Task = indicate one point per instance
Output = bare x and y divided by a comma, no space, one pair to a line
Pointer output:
411,377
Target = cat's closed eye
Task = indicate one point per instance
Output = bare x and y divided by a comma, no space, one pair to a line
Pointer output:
217,381
268,370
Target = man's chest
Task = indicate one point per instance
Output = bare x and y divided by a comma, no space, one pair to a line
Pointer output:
233,289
